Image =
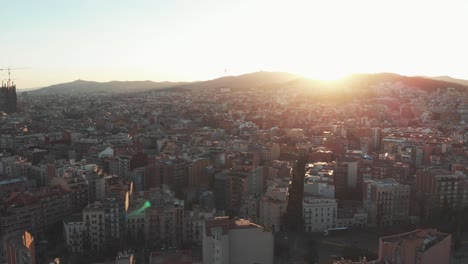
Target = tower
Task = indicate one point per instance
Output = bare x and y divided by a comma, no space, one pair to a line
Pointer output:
8,100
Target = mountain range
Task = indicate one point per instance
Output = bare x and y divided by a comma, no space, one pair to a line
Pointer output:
257,80
81,86
449,79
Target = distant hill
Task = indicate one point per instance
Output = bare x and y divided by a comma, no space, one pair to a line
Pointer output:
449,79
80,86
363,81
359,82
245,81
422,83
262,81
21,90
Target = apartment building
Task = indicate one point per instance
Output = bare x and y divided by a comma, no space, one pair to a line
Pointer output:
18,248
94,227
386,201
34,211
441,189
236,241
73,232
272,207
164,220
319,213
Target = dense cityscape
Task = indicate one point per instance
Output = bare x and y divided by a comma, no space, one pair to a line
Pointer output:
246,169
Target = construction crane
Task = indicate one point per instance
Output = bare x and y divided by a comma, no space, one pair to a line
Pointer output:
9,69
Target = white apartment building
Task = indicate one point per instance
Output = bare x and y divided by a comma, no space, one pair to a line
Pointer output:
319,213
73,233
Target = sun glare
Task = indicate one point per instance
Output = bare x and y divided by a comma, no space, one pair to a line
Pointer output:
324,75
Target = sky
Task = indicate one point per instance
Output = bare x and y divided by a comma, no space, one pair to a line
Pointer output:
187,40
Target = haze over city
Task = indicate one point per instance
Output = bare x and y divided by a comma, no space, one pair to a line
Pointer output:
62,41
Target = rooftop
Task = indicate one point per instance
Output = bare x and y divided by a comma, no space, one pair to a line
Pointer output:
73,218
243,223
11,181
227,224
385,182
94,206
424,238
27,198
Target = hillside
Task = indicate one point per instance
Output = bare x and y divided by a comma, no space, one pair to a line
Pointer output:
361,82
245,81
80,86
449,79
263,81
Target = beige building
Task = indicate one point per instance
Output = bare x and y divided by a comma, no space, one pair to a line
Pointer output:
236,242
272,207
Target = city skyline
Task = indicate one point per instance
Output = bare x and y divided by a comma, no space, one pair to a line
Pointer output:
190,41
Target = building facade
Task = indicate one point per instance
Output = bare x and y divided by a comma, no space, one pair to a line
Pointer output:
19,248
319,213
440,190
73,233
272,208
8,99
386,201
34,211
236,241
94,227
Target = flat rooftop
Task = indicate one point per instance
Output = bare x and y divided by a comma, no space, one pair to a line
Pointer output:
424,238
